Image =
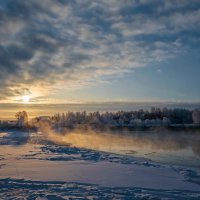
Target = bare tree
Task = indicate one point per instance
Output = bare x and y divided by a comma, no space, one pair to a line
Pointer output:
22,118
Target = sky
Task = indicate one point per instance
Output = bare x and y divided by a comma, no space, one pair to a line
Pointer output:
71,51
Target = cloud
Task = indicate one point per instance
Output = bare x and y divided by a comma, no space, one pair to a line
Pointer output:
159,70
45,44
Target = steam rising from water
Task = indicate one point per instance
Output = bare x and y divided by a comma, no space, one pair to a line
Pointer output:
149,141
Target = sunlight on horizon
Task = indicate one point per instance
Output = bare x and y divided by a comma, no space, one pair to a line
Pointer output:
26,99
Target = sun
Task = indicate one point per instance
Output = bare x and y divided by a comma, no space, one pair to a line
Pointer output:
25,98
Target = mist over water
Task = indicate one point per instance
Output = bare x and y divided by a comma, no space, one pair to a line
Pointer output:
159,144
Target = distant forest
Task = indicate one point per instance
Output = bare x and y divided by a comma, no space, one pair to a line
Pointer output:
141,118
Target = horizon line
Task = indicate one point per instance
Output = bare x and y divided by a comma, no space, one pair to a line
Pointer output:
104,102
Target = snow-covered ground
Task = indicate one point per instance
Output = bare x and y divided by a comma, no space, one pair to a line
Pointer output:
32,167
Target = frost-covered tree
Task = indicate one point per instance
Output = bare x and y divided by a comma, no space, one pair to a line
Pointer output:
166,121
196,116
148,118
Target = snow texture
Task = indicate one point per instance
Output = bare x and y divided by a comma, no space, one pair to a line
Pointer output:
43,170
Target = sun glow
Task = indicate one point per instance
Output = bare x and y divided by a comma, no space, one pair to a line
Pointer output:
26,98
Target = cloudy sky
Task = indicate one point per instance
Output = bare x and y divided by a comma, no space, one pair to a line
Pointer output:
99,50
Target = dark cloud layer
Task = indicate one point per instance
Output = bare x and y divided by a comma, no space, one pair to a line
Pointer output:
76,42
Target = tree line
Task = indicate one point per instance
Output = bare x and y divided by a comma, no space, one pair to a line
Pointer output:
148,118
153,117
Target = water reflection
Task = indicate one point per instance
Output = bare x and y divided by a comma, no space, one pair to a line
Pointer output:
182,147
134,140
178,147
174,147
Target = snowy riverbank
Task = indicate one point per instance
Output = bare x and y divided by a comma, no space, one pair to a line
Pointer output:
33,168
